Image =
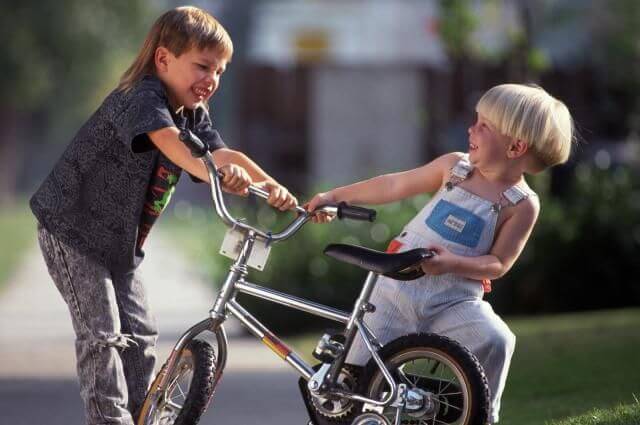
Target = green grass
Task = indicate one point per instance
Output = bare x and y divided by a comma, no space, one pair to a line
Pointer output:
18,230
566,365
620,415
569,364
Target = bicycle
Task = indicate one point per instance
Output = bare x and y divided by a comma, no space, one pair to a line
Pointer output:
414,379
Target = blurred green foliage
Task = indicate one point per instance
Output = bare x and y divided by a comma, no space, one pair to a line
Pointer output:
616,56
66,52
583,253
457,24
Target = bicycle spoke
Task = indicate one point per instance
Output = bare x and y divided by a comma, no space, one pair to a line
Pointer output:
459,392
185,383
181,393
445,387
174,406
405,378
450,405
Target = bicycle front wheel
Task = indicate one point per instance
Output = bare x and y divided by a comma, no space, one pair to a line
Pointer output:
446,380
188,391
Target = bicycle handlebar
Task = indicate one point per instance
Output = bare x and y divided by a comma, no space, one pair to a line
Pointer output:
342,210
355,213
197,147
200,150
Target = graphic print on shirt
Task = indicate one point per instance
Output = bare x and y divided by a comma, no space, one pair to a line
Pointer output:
456,224
161,187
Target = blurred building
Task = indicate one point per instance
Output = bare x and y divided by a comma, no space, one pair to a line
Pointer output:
334,91
328,91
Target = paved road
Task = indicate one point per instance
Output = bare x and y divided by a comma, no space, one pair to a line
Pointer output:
244,398
37,366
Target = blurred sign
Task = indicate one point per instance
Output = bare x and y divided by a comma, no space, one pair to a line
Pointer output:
352,32
346,32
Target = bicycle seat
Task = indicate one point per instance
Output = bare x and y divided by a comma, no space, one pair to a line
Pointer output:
402,266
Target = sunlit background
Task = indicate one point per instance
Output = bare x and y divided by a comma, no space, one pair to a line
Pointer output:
325,92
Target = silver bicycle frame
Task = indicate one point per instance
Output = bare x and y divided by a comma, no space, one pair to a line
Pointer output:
226,303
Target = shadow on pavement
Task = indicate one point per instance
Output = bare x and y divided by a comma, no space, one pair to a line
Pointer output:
242,398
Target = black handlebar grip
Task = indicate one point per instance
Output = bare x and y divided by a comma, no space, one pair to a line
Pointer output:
197,147
355,213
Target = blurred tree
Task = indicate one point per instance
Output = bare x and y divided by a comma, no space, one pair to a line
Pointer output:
457,25
58,59
616,56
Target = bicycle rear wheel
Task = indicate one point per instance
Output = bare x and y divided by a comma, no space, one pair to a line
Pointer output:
446,378
188,391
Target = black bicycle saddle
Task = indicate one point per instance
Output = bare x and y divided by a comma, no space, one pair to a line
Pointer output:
402,266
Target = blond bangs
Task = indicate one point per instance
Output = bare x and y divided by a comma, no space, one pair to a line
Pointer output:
530,114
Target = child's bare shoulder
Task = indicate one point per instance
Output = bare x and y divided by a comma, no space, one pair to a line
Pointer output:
449,160
529,207
442,165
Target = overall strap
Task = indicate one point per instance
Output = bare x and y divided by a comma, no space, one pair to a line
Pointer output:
459,172
511,197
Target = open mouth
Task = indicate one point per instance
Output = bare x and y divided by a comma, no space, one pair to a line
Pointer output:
201,93
472,147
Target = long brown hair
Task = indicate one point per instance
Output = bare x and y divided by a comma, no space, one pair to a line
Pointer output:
178,30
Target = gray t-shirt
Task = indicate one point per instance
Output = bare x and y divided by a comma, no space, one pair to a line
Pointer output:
94,197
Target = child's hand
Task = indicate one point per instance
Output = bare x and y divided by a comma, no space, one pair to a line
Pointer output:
279,196
320,199
235,179
441,263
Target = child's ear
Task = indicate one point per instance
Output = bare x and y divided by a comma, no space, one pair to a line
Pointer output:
517,148
161,59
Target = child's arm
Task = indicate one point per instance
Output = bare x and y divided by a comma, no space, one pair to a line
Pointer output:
226,156
279,196
509,243
390,187
239,171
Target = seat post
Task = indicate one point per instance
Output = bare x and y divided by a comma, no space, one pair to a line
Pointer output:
361,302
351,329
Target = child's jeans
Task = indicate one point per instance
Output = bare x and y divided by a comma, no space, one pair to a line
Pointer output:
115,332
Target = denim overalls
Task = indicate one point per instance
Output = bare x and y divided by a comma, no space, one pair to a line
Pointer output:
448,304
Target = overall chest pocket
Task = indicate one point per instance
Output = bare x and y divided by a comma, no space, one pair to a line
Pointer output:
456,224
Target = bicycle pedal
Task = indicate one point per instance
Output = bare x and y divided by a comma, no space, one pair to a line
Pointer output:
329,347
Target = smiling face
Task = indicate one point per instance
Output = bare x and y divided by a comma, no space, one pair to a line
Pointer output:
486,145
191,78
